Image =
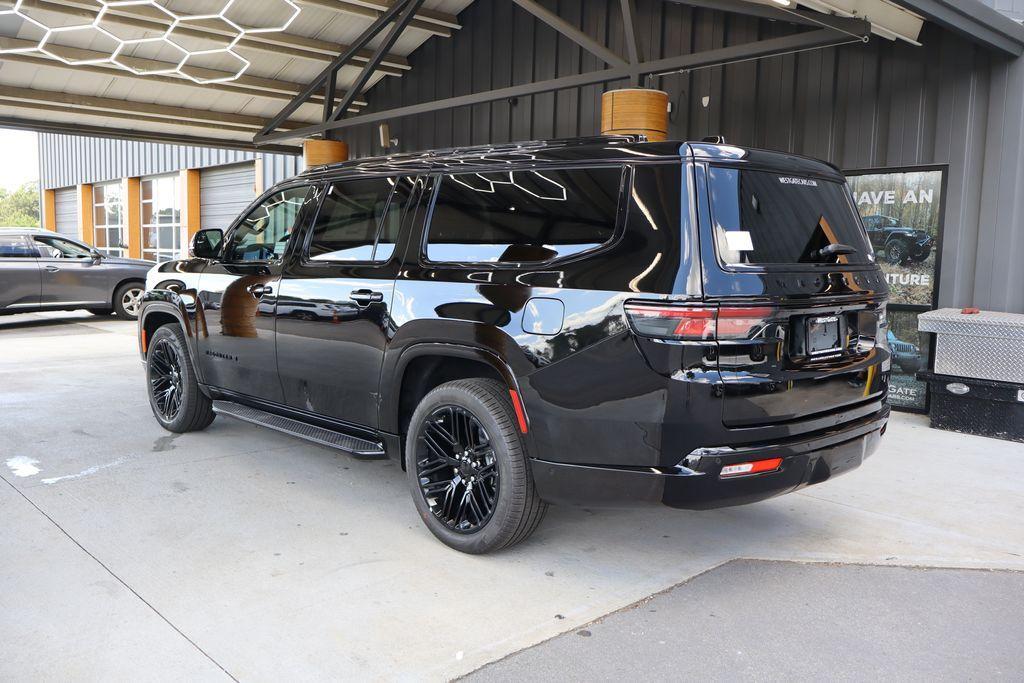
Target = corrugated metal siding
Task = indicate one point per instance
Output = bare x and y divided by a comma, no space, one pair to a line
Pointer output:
66,211
885,104
224,191
278,167
72,159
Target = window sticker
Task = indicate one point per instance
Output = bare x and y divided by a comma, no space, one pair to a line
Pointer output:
739,240
798,181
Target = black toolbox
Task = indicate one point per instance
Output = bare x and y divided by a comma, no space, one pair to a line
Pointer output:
976,406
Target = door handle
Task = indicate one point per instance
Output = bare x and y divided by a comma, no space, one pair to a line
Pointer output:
52,269
259,290
365,297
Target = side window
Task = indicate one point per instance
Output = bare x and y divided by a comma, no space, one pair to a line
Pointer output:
359,220
54,247
15,246
266,231
523,216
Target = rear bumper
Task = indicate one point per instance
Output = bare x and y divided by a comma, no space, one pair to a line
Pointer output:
809,460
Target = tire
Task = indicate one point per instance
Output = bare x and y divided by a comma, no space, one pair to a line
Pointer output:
127,299
453,513
897,252
166,352
910,366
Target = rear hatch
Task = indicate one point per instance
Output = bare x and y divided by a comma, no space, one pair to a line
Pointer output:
799,300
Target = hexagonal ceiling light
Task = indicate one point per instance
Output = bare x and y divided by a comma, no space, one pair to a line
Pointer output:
196,61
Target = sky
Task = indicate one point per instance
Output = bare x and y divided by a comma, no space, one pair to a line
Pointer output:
19,158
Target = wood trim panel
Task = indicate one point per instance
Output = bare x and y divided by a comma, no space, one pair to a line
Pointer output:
133,215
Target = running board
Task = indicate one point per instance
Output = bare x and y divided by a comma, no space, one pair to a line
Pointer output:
362,448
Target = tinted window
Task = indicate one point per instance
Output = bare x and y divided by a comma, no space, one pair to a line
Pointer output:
354,214
54,247
15,246
771,218
523,216
265,232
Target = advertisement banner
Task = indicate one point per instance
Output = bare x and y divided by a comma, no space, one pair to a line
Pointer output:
902,212
910,353
903,215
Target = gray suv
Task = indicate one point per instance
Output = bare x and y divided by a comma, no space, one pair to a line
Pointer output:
43,271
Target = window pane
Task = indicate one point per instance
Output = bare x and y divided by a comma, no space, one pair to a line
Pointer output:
149,237
264,234
523,216
346,227
97,194
15,247
99,216
767,218
147,189
147,214
62,248
101,238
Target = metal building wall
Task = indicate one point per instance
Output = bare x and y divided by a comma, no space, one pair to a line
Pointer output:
886,104
73,159
1011,8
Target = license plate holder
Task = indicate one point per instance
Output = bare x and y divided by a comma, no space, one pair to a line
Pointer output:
824,336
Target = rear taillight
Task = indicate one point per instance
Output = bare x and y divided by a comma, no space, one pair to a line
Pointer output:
672,322
696,323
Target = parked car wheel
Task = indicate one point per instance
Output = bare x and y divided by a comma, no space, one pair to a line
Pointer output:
174,394
896,252
909,366
128,300
922,257
468,469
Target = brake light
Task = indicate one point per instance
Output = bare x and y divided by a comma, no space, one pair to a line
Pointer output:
672,322
664,321
756,467
742,323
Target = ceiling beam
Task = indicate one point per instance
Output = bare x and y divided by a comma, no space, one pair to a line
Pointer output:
275,43
118,116
253,86
108,106
571,32
773,47
120,133
439,23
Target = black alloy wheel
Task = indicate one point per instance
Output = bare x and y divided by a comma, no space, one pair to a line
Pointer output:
896,252
165,379
175,396
457,469
468,467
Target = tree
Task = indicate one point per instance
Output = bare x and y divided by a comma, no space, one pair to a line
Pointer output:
20,209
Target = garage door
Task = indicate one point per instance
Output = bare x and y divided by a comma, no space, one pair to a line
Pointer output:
66,211
224,192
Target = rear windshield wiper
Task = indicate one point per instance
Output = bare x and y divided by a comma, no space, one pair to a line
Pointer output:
834,250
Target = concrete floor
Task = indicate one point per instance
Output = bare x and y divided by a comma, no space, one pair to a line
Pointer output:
127,552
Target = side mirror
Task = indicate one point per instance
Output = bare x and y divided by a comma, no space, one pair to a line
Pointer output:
206,243
96,256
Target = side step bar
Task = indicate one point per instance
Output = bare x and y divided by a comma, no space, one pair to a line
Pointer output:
325,437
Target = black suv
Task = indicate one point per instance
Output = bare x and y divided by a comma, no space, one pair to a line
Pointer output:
898,243
587,322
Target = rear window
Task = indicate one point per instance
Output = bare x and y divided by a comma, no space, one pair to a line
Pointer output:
766,218
523,216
